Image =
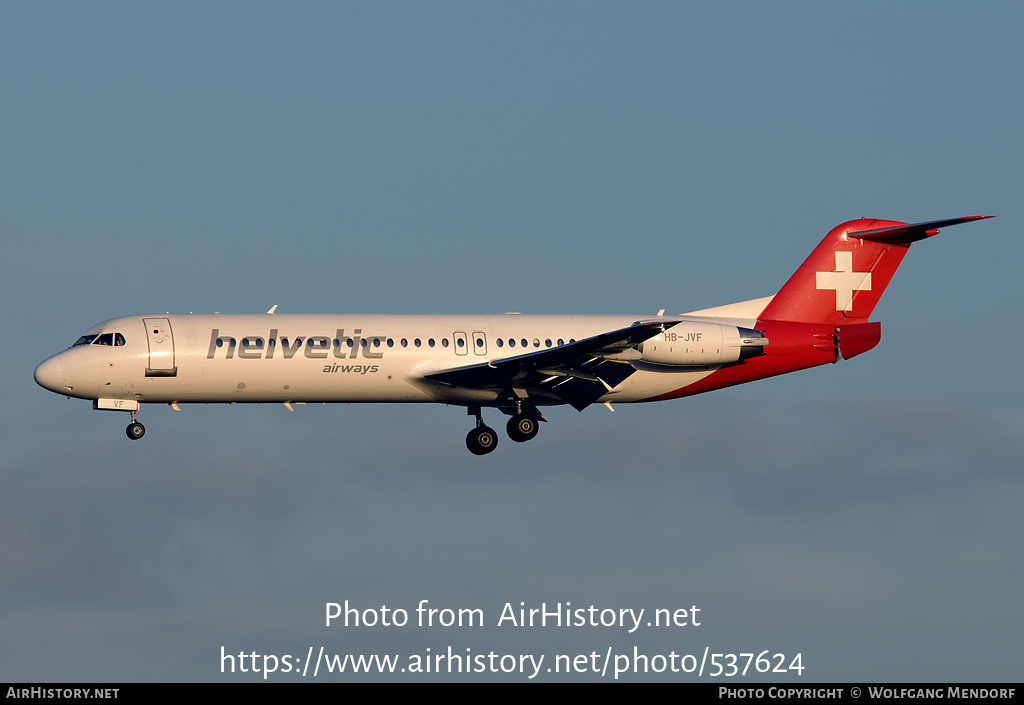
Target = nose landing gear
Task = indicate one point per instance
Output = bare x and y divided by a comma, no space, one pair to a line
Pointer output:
135,430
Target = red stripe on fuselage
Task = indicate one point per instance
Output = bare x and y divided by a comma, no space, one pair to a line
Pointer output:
791,347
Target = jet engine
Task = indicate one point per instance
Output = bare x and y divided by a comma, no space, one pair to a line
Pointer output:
696,344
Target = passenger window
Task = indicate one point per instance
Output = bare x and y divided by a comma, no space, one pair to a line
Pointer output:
405,343
417,342
444,342
547,343
523,341
536,343
430,342
500,342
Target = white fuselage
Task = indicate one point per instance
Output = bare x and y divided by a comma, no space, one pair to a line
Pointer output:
327,358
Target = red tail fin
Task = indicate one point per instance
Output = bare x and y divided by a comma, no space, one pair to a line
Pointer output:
843,279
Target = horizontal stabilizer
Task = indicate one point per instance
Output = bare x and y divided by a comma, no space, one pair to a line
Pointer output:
858,338
912,232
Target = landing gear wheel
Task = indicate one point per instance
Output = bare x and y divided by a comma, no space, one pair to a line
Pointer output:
135,430
522,428
481,440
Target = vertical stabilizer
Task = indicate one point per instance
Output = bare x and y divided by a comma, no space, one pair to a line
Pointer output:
843,279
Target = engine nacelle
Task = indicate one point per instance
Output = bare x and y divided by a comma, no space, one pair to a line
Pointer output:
696,344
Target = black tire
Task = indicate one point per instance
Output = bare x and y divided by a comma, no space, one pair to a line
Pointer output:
482,440
135,431
522,428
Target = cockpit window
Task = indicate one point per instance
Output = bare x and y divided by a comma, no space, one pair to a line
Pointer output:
100,339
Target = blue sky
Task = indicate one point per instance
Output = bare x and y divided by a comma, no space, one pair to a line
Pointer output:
537,157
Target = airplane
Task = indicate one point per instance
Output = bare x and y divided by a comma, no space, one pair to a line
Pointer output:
515,363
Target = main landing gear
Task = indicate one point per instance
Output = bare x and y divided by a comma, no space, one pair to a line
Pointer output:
135,430
522,427
483,439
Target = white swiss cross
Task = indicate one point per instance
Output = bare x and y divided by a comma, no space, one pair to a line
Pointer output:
844,280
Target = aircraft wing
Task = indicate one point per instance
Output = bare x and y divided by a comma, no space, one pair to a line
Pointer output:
578,373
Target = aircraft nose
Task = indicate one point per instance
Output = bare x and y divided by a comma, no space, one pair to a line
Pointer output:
50,375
